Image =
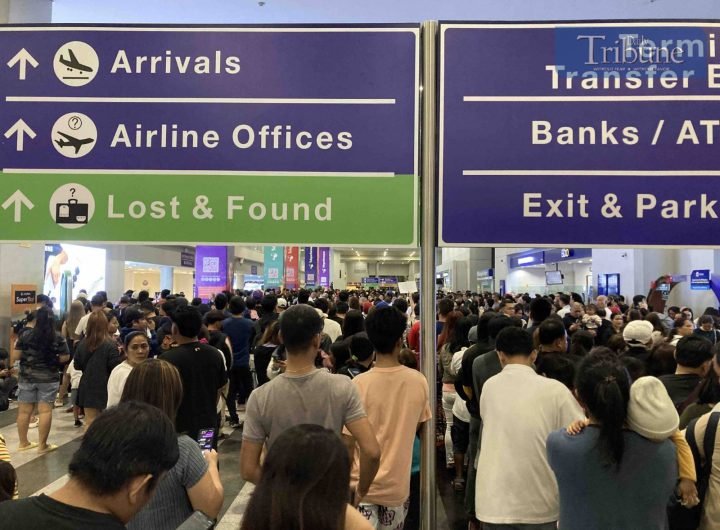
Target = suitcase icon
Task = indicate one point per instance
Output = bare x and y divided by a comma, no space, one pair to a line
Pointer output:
71,212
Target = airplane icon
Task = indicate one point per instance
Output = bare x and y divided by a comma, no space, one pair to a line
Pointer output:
71,141
73,63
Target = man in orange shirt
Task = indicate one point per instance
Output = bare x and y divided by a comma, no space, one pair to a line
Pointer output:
396,400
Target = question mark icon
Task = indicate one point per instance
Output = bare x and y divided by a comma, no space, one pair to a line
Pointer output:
72,191
75,123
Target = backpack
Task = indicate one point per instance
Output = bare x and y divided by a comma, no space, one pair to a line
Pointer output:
680,517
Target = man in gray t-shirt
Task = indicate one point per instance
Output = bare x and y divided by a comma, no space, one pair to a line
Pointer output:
305,394
317,397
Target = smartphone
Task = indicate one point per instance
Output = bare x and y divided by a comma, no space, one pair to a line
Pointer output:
197,521
205,439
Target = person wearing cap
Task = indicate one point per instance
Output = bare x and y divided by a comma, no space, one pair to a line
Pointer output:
639,339
281,305
598,468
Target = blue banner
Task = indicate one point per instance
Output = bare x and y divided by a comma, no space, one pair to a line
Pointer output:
310,266
579,134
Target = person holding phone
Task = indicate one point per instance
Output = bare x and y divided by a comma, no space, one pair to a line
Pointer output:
194,483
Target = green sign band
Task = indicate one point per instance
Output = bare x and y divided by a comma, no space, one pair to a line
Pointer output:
148,207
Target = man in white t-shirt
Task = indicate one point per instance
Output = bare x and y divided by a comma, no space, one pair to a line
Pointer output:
331,328
563,301
519,409
97,303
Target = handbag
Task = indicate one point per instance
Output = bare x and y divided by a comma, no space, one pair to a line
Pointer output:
680,517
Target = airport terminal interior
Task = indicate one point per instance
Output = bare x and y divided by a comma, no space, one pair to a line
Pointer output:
215,263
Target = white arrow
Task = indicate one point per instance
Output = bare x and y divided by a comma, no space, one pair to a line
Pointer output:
18,199
24,58
21,129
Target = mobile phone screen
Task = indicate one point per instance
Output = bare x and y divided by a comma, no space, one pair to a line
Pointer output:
205,439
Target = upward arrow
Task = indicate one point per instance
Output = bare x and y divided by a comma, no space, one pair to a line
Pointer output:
24,58
21,129
18,199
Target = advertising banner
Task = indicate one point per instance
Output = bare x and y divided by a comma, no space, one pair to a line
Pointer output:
579,134
273,266
295,122
310,266
211,271
292,255
324,267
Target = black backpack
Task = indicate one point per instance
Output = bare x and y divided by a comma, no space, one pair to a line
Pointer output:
680,517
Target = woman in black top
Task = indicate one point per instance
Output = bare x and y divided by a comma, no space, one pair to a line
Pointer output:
43,351
262,353
96,356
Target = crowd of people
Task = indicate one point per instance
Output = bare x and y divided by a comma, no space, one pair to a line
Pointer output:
556,413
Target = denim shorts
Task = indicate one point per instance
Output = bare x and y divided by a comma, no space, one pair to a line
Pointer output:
37,392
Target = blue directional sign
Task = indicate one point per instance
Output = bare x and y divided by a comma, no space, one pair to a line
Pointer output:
582,134
700,280
234,134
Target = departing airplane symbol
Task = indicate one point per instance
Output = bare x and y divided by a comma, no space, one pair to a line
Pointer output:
71,141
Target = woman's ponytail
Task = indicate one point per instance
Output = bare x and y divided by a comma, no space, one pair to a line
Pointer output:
602,384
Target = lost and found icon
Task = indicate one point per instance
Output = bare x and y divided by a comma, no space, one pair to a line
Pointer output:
72,205
74,135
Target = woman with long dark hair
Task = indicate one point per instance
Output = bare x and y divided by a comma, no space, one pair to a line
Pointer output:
682,327
597,468
194,482
298,490
262,353
96,356
43,350
77,311
445,354
353,323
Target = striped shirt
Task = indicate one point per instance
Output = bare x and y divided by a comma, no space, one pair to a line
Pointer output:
5,457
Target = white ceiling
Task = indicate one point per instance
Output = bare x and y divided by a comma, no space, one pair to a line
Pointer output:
335,11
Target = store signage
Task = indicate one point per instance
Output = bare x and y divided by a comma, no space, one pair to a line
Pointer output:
700,280
526,259
24,297
113,134
578,133
187,259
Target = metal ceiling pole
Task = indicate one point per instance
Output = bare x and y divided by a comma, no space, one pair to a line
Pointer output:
427,276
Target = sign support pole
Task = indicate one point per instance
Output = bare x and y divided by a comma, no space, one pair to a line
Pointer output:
427,276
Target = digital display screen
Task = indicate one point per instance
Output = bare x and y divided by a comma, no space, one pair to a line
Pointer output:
553,278
84,266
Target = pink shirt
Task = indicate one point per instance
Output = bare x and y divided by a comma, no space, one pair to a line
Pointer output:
396,400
